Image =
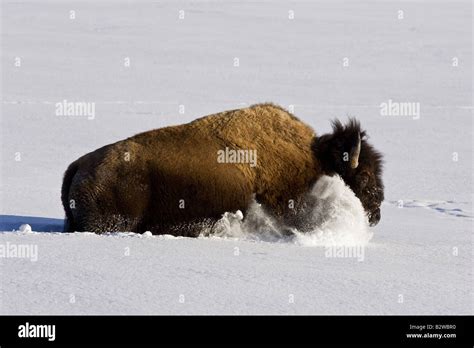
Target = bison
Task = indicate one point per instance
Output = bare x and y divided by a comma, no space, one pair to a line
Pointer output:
177,180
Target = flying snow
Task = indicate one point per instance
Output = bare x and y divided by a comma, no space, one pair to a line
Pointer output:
335,217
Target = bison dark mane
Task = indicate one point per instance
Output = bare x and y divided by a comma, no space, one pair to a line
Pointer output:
332,150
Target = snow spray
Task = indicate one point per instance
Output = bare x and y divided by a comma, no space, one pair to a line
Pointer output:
336,218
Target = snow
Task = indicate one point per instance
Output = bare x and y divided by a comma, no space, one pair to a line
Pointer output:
417,260
336,217
25,228
225,276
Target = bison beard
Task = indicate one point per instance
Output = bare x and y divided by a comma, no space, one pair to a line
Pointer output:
169,180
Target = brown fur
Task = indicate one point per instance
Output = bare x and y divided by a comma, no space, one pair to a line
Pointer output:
102,191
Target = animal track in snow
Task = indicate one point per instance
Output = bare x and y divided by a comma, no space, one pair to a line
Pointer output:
451,208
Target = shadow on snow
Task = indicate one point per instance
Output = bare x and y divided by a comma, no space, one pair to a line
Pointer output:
38,224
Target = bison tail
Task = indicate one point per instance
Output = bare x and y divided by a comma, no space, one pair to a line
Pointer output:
69,225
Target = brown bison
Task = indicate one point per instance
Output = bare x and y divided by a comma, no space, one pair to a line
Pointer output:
179,179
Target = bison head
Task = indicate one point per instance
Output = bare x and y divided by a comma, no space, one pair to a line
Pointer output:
347,153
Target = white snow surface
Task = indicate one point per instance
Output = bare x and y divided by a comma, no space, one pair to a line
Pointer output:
417,260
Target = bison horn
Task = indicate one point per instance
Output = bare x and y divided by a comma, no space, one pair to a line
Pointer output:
355,153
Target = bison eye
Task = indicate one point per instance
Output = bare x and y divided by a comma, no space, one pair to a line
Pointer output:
363,180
